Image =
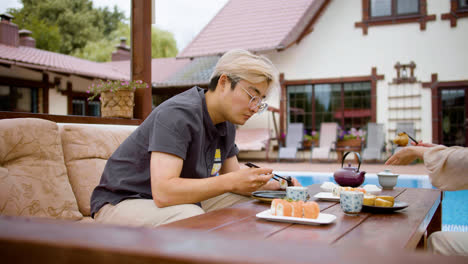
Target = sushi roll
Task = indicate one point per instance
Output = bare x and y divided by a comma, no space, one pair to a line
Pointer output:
274,204
297,208
283,184
311,210
284,208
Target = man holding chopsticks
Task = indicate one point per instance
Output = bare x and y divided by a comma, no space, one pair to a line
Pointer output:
181,161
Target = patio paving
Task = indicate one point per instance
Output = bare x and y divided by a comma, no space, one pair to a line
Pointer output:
417,168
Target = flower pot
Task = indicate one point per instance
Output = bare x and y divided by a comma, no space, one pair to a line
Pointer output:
117,104
309,143
356,142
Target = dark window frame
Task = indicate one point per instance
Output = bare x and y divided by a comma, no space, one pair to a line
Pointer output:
87,110
367,20
337,111
456,12
34,97
373,78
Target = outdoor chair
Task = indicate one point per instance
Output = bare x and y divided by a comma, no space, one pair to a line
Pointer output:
375,142
253,140
327,140
294,138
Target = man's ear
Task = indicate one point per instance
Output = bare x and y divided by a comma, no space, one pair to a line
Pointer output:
223,82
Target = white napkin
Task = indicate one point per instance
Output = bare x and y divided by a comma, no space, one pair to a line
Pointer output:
328,186
372,189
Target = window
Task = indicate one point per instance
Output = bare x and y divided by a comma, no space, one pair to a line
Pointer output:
394,8
79,107
387,12
83,107
18,99
348,104
458,9
94,108
463,4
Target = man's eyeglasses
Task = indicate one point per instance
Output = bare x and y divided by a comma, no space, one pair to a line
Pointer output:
256,102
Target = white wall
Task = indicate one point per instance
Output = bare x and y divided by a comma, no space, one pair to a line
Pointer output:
336,48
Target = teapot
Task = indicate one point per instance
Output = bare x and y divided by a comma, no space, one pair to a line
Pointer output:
349,176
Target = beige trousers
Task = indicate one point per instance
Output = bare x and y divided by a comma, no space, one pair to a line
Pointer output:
144,212
448,243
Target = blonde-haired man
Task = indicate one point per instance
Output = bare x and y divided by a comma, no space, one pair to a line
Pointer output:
165,171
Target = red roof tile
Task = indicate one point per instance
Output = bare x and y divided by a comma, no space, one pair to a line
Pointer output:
259,25
161,68
42,59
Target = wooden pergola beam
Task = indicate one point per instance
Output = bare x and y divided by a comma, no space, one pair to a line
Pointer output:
141,55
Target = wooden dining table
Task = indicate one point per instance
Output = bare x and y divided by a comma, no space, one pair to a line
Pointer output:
234,235
403,229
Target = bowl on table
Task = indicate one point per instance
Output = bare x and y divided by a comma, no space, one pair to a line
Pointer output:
387,179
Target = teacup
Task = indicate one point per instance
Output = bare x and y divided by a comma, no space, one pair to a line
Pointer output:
351,202
297,193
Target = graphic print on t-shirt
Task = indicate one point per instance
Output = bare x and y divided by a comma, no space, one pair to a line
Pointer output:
216,163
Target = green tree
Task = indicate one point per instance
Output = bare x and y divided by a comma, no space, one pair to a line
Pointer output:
74,27
76,22
163,45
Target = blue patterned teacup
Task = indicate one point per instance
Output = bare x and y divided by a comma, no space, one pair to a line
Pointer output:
351,202
297,193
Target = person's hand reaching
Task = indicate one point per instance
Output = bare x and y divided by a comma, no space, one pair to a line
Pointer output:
406,155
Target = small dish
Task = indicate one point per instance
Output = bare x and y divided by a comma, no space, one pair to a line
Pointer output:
327,196
321,219
397,205
268,196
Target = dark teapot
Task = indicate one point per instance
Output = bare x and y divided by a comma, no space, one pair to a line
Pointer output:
349,176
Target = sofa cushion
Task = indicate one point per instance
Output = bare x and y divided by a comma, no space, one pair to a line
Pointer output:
86,150
33,176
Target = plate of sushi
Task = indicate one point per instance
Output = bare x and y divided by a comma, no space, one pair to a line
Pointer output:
268,196
298,212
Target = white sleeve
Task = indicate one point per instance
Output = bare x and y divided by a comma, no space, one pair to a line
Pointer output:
448,167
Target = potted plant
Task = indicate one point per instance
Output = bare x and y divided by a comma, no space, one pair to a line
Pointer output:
311,139
117,97
352,138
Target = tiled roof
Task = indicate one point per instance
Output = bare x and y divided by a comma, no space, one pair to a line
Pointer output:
197,72
161,68
42,59
259,25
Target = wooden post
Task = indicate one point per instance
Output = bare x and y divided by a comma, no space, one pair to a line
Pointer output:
141,55
45,94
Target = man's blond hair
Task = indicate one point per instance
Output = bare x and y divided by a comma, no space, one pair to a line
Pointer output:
240,64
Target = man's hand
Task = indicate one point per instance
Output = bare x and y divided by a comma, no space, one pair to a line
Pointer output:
245,181
274,185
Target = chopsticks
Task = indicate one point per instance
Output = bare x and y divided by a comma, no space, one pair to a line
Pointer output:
288,179
275,176
414,140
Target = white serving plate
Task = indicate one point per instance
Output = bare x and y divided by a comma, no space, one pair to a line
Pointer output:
321,219
370,188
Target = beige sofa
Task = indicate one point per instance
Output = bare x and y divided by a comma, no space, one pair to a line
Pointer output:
50,170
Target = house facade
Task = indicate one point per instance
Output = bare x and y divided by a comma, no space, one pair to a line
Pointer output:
357,61
393,62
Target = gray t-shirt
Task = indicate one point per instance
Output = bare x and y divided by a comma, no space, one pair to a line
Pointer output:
180,126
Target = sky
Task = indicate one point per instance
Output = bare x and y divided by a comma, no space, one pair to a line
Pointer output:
183,18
